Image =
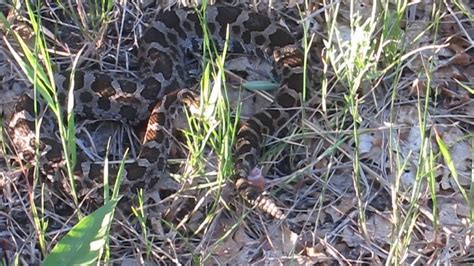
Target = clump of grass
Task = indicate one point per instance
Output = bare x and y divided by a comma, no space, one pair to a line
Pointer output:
355,64
40,73
214,126
37,66
375,52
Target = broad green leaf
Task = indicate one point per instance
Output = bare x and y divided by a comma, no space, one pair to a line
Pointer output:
83,244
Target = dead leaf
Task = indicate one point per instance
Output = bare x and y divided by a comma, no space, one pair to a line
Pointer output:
351,238
379,228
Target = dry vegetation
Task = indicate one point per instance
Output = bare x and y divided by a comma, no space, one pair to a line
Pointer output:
377,168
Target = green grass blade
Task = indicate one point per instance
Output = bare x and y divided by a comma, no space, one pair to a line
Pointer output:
448,159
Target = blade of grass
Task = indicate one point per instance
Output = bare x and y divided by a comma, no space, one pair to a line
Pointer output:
454,173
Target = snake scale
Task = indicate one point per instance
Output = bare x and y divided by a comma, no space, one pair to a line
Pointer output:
158,95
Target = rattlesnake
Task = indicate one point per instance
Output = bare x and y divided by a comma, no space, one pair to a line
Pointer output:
158,95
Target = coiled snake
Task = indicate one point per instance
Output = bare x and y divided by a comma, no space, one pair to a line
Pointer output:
158,95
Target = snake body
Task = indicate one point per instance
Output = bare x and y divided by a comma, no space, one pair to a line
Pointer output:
158,95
